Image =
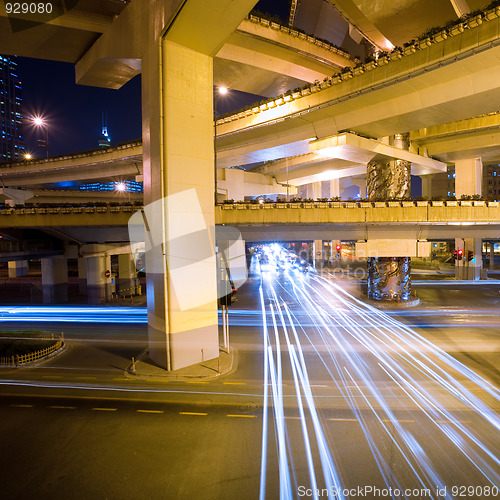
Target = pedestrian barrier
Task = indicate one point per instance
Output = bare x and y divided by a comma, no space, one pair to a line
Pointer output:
20,359
135,290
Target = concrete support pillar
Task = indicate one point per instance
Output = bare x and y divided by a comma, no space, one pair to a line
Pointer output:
55,280
335,256
466,269
360,182
492,254
126,274
317,191
427,185
177,100
334,188
82,275
389,277
18,268
468,177
318,253
98,284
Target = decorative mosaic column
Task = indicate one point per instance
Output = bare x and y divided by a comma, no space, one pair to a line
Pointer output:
389,277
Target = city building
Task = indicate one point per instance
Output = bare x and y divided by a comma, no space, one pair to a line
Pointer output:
11,139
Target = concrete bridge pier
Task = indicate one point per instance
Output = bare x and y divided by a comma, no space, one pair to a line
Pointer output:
466,269
99,278
55,280
82,275
389,277
334,188
127,274
177,103
18,268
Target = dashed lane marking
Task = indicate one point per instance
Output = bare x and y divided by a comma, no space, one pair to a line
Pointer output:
149,411
234,383
63,407
241,416
196,382
104,409
22,406
192,413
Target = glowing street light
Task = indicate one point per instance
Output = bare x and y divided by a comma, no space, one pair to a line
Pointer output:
40,122
120,186
28,156
218,91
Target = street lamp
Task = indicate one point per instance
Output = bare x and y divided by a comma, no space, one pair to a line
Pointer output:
28,156
217,91
40,122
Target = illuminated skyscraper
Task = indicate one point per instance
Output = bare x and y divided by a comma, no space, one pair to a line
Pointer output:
104,139
11,140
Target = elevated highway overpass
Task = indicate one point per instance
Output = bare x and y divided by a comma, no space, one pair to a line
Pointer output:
260,57
426,85
445,76
283,221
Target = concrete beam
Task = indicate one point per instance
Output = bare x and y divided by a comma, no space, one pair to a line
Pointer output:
450,80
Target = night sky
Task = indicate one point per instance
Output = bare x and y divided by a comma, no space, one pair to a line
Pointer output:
74,111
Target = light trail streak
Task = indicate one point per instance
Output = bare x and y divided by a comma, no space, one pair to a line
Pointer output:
356,344
263,460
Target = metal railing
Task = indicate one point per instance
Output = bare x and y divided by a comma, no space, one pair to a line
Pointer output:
21,359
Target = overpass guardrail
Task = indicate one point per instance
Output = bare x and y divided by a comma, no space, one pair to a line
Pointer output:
341,212
359,212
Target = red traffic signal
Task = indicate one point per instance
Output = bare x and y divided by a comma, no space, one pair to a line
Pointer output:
338,247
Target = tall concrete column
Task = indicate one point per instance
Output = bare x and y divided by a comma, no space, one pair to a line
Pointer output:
492,254
317,191
318,253
18,268
389,277
98,284
334,188
82,275
177,103
465,269
126,273
468,177
55,280
427,185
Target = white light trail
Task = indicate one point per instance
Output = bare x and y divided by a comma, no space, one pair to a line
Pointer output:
357,344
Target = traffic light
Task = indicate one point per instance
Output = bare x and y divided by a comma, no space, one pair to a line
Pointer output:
470,255
338,248
460,254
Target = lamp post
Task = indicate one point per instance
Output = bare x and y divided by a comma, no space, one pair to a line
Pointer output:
40,122
217,91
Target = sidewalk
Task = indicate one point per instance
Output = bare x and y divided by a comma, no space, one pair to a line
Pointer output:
145,369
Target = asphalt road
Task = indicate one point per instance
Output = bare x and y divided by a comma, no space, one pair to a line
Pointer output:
77,427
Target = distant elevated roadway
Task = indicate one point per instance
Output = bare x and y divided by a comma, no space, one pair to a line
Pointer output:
285,221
